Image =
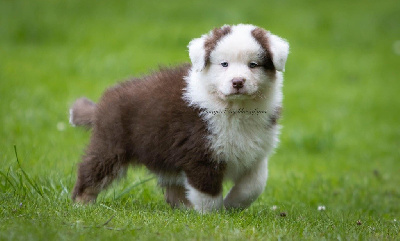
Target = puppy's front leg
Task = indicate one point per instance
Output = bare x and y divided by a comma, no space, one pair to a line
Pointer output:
204,202
204,186
248,187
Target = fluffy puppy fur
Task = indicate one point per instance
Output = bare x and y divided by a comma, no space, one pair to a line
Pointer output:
195,125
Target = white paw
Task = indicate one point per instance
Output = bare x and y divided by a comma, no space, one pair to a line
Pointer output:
203,202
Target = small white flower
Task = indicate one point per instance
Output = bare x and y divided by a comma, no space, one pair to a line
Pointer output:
274,207
321,208
396,47
394,220
60,126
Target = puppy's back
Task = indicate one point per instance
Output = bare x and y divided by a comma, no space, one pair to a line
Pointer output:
148,119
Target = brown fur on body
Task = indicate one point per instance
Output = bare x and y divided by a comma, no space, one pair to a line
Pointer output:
146,121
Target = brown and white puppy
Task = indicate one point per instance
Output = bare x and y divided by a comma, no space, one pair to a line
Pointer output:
194,126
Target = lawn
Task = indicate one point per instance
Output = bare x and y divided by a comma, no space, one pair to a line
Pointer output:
340,142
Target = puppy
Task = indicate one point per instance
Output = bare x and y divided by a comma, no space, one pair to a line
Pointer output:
195,125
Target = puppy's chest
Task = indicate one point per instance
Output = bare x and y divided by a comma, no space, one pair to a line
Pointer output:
240,140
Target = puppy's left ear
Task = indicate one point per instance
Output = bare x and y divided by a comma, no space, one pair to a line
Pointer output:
197,53
279,49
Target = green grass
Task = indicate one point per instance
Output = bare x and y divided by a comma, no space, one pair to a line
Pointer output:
340,142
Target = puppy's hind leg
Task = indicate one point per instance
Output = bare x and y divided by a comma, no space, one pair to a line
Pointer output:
97,170
175,196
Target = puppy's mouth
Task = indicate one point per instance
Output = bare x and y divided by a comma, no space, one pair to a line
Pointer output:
238,95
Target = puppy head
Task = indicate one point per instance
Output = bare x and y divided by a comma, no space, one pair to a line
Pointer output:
238,62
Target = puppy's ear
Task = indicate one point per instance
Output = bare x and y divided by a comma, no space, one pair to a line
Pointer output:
197,53
200,48
279,49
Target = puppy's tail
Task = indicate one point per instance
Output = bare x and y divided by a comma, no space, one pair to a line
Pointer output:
82,113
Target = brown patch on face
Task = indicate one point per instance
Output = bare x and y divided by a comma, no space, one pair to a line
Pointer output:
260,35
211,42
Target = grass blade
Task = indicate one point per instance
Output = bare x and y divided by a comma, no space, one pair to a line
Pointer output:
37,189
7,180
132,187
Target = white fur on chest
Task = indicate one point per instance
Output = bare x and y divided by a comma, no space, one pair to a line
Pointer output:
239,135
241,139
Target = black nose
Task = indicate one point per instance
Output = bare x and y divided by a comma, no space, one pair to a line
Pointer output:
238,83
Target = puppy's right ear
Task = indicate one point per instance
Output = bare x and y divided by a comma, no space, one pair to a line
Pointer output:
197,53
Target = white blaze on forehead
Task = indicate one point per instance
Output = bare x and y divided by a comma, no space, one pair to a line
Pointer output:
239,44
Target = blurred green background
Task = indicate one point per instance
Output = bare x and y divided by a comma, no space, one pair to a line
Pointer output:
340,142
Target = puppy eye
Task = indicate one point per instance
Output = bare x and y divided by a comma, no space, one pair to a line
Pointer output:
253,65
224,64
